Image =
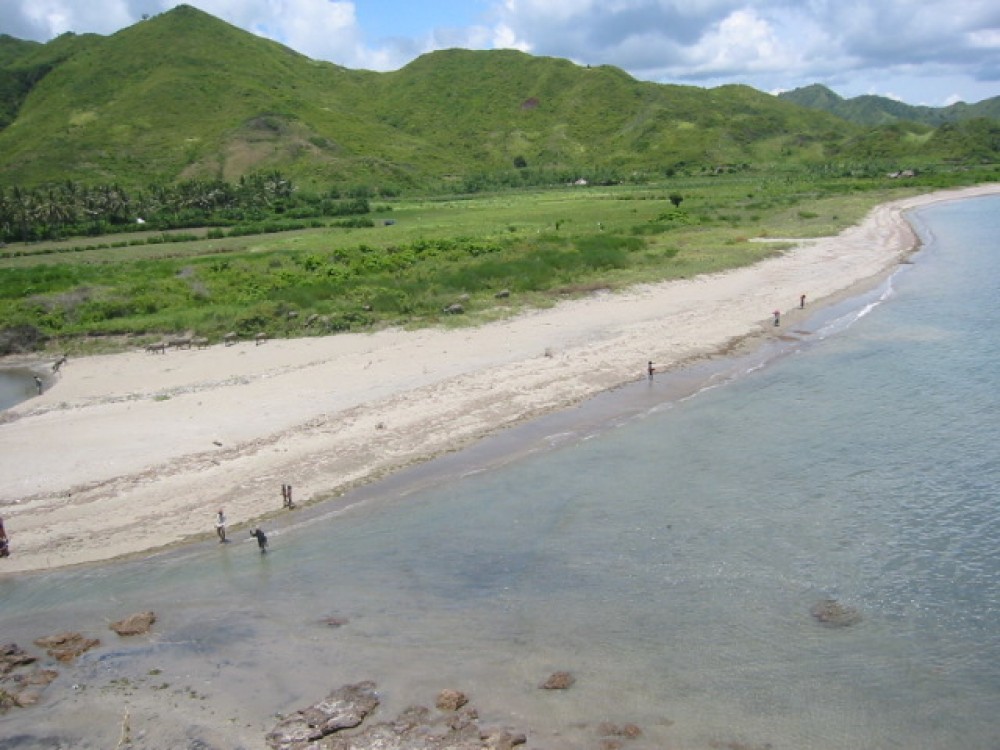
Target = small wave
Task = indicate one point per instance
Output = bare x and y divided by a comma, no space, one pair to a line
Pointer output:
843,322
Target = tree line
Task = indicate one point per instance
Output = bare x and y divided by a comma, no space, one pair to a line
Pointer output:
72,209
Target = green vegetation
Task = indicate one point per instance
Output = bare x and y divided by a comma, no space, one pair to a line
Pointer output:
880,110
534,246
258,203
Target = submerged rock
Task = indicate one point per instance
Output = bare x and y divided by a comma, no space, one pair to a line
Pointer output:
559,681
451,700
834,614
66,646
13,656
20,686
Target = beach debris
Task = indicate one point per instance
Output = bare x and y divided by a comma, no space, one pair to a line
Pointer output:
334,622
450,700
558,681
138,623
832,613
125,738
415,728
65,647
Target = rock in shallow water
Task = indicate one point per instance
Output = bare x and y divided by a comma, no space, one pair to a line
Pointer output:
135,624
833,613
559,681
65,647
335,724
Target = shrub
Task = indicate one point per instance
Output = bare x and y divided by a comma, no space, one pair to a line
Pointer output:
19,339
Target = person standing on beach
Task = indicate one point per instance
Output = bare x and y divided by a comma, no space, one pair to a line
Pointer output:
650,369
39,384
4,544
802,301
777,317
220,525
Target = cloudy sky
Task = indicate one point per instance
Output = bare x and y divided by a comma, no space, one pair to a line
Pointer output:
920,51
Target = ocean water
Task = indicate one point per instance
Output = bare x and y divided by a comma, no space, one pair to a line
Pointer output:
664,543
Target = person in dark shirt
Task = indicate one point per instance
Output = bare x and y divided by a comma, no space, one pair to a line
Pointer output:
261,537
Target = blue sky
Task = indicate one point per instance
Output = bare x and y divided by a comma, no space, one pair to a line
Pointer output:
919,51
383,19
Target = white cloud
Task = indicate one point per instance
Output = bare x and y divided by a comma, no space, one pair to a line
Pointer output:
741,40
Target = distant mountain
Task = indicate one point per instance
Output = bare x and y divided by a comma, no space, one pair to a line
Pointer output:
880,110
185,95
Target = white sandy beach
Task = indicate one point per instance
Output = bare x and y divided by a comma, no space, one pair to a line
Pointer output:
130,452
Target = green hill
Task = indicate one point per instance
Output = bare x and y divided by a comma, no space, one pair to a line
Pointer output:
184,95
880,110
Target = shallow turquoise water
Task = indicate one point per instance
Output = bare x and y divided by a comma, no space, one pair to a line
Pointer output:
667,552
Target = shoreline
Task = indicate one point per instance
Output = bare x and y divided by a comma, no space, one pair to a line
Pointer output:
132,453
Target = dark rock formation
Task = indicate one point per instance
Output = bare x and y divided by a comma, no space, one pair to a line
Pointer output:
832,613
135,624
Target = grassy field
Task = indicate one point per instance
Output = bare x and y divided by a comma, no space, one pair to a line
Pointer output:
493,255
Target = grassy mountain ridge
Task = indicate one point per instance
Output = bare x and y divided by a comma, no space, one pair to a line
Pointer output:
186,95
559,114
880,110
